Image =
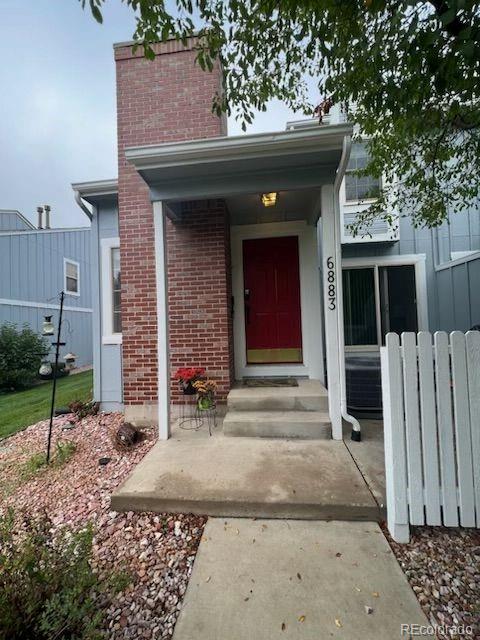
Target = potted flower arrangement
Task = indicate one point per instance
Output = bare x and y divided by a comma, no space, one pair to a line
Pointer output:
186,376
206,394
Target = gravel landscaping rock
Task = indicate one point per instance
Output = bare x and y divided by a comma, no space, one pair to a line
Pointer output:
157,550
443,568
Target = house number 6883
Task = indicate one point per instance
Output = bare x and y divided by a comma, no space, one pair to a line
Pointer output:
332,295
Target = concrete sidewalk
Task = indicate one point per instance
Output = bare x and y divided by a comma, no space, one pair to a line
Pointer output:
269,579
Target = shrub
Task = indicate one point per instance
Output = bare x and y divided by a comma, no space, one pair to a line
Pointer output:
47,586
84,409
64,450
21,353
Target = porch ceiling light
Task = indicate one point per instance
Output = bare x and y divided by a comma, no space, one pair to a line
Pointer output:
269,199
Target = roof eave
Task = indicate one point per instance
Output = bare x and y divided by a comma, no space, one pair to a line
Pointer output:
96,188
236,147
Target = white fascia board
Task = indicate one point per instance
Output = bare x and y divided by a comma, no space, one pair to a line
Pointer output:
237,147
96,188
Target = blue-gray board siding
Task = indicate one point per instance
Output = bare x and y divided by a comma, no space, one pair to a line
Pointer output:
76,328
108,388
31,265
459,296
32,270
11,221
441,313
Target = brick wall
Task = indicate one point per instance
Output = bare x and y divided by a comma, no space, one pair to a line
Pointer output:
165,100
199,293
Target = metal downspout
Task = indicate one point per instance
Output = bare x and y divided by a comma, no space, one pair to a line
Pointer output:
81,204
356,432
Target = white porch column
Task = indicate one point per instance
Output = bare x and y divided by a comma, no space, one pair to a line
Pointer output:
331,272
163,356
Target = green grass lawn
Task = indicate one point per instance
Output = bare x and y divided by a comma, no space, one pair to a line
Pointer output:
22,408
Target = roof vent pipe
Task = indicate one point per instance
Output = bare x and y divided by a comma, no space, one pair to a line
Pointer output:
40,217
47,209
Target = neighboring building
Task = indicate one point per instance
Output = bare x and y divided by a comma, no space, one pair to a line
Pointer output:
227,245
36,264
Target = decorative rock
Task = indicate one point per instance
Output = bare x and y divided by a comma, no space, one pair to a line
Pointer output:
442,566
156,550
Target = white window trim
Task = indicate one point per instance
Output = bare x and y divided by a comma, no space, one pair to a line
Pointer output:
66,261
416,260
108,336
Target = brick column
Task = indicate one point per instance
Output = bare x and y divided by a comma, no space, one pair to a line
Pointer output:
165,100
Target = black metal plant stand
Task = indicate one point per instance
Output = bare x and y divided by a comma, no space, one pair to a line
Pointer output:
57,346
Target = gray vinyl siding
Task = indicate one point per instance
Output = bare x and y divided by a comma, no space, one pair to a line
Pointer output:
12,221
32,276
462,234
108,386
459,295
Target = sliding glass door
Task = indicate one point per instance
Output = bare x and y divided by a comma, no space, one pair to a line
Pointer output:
377,300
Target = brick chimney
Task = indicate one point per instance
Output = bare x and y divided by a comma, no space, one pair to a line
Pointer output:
162,100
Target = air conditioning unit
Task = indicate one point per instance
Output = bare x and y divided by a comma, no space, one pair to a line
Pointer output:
379,230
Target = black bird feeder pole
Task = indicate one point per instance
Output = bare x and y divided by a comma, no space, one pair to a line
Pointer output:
57,346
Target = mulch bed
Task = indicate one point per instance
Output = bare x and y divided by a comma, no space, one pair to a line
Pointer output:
157,550
443,568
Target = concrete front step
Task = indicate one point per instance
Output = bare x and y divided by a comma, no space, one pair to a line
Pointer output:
310,395
278,424
250,477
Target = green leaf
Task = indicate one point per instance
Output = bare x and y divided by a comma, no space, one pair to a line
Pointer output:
97,14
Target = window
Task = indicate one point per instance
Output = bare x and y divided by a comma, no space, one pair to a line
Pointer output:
360,187
378,300
111,291
116,291
71,271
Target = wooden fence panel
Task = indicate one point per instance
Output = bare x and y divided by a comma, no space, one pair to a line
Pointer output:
431,401
412,429
395,469
462,429
472,339
429,429
445,430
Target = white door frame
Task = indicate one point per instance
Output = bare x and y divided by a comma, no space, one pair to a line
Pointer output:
310,306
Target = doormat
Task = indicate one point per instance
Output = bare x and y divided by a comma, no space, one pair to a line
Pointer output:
270,382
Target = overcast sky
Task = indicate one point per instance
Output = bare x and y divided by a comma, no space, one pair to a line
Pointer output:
57,103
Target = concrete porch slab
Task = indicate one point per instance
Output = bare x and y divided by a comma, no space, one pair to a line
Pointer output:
269,579
248,477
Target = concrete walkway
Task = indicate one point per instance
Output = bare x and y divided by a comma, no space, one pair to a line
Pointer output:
248,477
278,579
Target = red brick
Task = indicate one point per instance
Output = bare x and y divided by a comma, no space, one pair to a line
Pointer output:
165,100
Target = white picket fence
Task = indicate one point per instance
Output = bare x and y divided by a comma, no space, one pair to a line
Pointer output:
431,409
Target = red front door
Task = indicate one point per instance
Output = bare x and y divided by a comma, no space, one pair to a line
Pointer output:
272,300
